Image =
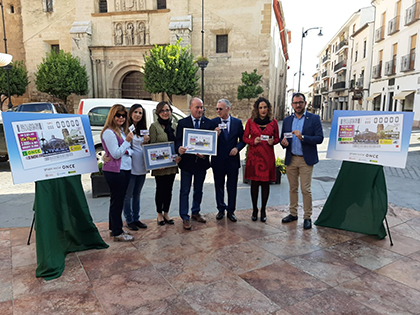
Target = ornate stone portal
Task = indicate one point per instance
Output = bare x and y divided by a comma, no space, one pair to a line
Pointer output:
129,33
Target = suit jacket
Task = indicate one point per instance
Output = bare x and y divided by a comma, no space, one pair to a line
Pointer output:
224,146
312,130
190,162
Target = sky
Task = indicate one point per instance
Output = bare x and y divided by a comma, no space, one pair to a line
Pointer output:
331,15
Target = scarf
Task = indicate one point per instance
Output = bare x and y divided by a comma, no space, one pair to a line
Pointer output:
262,122
168,128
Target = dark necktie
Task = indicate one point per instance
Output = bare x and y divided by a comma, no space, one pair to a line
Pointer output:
225,131
197,125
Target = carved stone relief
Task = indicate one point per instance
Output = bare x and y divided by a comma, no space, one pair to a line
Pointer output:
129,33
129,5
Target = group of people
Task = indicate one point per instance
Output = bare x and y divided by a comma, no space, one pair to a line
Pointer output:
124,167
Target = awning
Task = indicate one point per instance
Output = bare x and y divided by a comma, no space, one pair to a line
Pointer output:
372,96
403,95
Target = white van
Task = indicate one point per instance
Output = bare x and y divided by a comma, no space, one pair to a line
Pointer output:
98,108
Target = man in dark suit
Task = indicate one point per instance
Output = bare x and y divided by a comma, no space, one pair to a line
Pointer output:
227,160
300,134
192,165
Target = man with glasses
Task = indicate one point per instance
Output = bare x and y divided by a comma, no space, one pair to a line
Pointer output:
192,165
300,134
227,161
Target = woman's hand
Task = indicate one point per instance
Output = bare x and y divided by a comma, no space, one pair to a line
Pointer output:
270,141
146,139
257,140
106,158
182,150
129,137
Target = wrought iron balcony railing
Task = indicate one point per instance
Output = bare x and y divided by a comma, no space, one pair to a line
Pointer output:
394,25
379,34
412,14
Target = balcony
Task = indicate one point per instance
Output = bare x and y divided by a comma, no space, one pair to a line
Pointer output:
390,67
376,71
342,45
379,34
340,66
412,14
407,62
359,83
324,89
325,74
316,91
351,85
339,85
326,58
394,25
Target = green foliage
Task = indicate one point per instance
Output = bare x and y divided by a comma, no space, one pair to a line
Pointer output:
60,74
18,79
250,88
280,165
170,69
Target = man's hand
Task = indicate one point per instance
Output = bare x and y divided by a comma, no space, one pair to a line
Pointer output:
182,150
177,159
234,151
200,156
257,140
218,130
297,134
284,142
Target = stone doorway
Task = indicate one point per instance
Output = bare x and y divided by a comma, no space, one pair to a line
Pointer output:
133,86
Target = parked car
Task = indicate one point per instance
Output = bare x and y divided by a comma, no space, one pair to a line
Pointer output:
42,107
98,108
3,148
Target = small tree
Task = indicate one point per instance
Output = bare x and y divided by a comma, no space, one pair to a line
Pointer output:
250,88
170,69
60,74
18,80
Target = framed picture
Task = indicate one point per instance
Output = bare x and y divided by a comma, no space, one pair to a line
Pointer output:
200,141
159,155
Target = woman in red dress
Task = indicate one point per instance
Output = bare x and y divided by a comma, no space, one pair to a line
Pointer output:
261,134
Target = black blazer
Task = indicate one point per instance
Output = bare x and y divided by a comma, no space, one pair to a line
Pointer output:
224,147
191,162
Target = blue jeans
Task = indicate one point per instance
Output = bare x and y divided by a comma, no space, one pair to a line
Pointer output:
132,198
184,192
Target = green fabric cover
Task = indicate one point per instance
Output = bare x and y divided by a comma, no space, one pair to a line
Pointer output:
63,224
358,201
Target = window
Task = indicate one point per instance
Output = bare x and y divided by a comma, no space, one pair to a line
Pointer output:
12,9
48,5
357,52
103,6
364,48
221,44
161,4
55,48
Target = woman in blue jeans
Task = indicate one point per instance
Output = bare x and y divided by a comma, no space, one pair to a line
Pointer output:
136,117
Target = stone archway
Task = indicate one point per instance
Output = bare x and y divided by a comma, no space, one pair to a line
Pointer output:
132,86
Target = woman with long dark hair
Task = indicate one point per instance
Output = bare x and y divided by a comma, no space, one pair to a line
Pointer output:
163,130
116,140
261,134
136,117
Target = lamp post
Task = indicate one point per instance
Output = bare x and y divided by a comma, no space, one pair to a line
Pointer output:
294,80
202,64
304,34
5,50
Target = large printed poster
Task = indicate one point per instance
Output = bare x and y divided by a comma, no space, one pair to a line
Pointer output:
380,138
43,146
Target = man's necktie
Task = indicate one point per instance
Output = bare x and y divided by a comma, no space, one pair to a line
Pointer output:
225,131
197,125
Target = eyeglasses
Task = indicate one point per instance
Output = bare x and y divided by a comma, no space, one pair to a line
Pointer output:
218,108
298,103
118,115
165,111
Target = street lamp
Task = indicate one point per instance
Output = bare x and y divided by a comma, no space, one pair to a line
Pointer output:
202,64
304,34
294,80
5,50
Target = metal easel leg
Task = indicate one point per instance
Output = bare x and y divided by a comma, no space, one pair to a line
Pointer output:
30,232
389,232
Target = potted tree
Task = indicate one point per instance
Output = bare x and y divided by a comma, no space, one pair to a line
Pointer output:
99,185
280,170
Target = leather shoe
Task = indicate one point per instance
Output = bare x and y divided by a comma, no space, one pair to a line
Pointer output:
186,224
220,215
289,218
132,226
232,217
140,225
307,224
198,217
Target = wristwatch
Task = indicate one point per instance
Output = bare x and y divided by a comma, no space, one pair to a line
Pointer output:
303,137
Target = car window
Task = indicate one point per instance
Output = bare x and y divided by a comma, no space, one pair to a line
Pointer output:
60,108
37,108
98,115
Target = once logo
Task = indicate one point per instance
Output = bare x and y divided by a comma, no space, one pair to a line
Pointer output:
64,167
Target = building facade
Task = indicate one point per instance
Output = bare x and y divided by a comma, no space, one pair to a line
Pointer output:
111,36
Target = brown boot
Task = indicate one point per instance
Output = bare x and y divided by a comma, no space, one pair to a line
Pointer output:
186,224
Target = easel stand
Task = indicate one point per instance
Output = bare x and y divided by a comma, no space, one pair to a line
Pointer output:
30,231
358,201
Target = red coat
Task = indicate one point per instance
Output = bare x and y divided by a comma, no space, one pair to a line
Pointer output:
260,162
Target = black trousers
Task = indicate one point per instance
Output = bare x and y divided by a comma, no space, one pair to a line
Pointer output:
117,183
163,196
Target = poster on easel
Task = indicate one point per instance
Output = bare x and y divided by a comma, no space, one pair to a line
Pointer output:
45,146
371,137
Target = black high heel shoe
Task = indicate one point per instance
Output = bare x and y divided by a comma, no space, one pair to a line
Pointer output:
160,222
255,215
170,221
263,215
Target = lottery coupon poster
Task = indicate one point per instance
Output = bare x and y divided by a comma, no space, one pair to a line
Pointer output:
372,137
44,146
